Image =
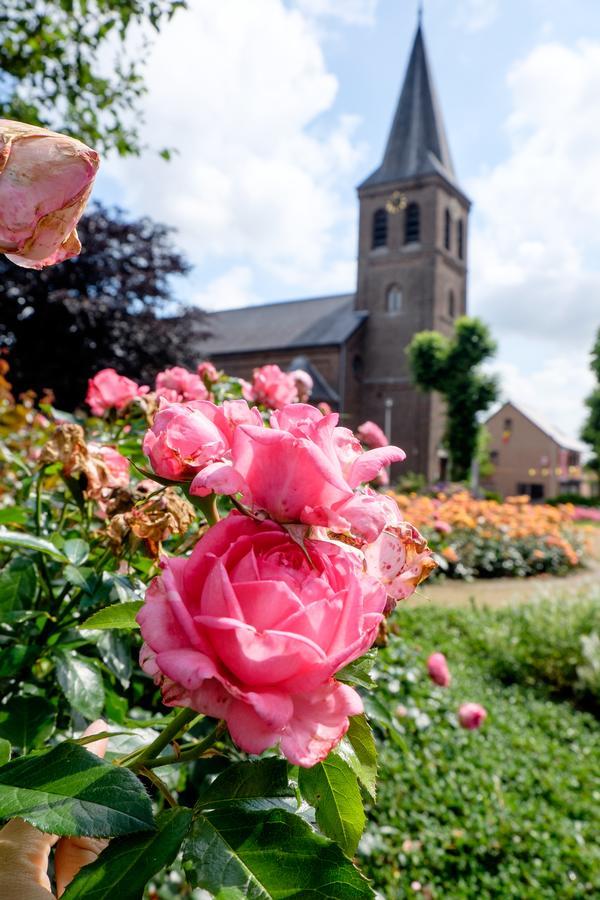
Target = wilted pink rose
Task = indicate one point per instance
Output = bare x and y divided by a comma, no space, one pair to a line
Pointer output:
400,559
306,469
304,384
186,438
178,385
251,628
45,182
207,372
109,390
437,668
273,388
372,435
116,465
471,715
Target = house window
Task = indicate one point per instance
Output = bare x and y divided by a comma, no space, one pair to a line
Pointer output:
451,305
447,229
412,224
380,228
393,300
460,228
494,457
534,491
572,458
508,424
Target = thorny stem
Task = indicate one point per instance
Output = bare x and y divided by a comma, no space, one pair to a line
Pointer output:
191,752
174,729
158,783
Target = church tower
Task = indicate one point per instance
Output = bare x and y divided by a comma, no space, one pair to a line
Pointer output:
412,266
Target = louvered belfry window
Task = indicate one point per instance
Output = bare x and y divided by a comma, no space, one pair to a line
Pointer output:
380,228
412,224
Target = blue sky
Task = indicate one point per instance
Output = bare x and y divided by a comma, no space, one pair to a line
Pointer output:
280,107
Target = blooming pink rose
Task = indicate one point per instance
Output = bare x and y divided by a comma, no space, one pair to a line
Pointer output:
45,182
304,384
109,390
207,372
186,438
178,385
437,668
471,715
372,435
273,388
252,628
306,469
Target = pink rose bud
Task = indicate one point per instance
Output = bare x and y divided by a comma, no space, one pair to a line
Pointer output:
207,372
274,388
45,182
438,670
109,390
187,438
252,627
372,435
178,385
471,715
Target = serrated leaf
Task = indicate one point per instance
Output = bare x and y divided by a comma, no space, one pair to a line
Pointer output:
75,576
18,584
268,854
331,787
115,652
69,791
123,869
4,751
27,722
264,780
76,550
31,542
119,615
358,749
81,683
357,672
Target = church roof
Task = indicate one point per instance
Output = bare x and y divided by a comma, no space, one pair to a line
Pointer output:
417,142
318,321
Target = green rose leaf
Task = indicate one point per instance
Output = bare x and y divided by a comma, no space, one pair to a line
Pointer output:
123,869
262,782
27,722
18,584
30,542
76,550
13,515
12,659
357,673
115,653
119,615
258,855
81,683
331,787
69,791
358,749
4,751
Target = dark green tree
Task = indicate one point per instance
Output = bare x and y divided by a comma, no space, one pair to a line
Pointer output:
591,429
64,65
450,367
113,306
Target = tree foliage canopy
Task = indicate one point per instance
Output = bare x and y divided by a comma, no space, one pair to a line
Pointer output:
591,428
63,66
113,306
450,366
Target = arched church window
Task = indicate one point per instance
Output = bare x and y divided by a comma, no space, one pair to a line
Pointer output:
393,299
461,239
380,228
451,305
447,229
412,224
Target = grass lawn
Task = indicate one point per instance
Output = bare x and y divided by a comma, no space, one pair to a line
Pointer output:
512,810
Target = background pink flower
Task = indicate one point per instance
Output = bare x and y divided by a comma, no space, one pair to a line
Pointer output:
274,388
471,715
371,434
109,390
437,668
207,372
45,182
178,385
252,628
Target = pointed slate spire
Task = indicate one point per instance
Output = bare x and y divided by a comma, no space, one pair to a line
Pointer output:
417,143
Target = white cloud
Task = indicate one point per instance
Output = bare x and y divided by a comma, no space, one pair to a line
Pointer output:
255,182
353,12
228,291
556,390
536,241
475,15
